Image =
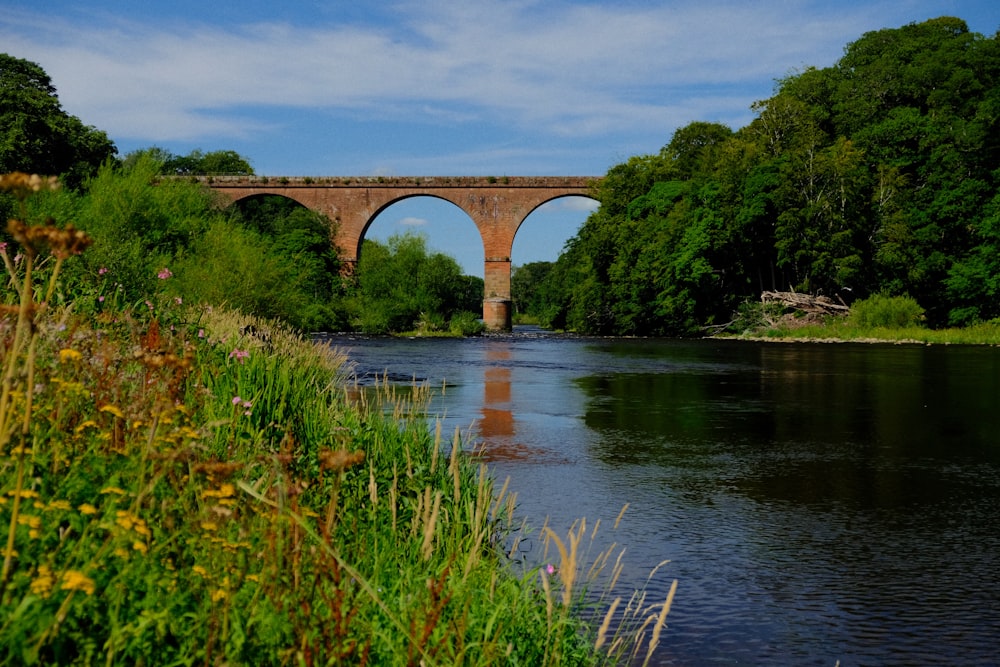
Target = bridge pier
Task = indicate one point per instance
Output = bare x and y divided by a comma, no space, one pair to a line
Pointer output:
497,314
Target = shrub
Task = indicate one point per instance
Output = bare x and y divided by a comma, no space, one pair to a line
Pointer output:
466,324
889,312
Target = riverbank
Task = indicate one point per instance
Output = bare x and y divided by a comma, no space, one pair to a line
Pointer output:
191,485
841,331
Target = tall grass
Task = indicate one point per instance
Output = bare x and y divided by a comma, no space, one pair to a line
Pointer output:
193,486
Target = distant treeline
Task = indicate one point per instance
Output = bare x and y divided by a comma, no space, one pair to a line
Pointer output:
878,175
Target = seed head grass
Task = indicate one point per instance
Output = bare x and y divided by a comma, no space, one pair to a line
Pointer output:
185,484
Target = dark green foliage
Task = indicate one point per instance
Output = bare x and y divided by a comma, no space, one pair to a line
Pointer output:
37,135
878,174
196,163
403,287
890,312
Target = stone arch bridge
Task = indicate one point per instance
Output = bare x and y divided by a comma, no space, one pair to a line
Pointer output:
497,206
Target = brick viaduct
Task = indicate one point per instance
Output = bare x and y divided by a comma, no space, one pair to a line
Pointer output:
497,206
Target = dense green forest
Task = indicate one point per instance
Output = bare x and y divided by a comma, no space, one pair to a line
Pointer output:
877,175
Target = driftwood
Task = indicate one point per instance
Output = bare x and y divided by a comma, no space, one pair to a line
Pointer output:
819,305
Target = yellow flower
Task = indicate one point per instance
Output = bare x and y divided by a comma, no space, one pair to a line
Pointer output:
140,547
42,584
87,508
113,410
226,490
200,571
121,553
113,489
66,354
59,505
209,525
74,580
89,423
219,594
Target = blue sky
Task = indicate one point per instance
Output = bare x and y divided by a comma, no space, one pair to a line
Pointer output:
437,87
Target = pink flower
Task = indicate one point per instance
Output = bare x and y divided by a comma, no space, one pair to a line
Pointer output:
164,274
240,355
236,400
201,333
101,271
101,298
178,300
550,569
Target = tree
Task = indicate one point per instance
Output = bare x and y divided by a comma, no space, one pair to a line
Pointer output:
37,135
196,163
402,285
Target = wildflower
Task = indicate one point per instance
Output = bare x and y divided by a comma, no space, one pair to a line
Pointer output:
59,505
209,525
219,594
178,300
165,274
131,522
74,580
225,490
90,422
237,400
200,571
87,509
101,271
113,489
550,569
42,584
113,410
34,523
140,547
100,299
24,493
66,354
201,333
241,355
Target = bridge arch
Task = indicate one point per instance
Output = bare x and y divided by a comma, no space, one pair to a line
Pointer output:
438,207
497,206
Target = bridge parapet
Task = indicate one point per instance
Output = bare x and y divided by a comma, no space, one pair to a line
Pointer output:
430,182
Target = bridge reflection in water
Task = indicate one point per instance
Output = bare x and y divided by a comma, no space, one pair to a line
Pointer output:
496,426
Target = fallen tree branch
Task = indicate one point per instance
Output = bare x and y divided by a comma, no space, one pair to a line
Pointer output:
805,302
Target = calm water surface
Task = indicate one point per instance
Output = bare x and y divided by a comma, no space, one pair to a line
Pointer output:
817,502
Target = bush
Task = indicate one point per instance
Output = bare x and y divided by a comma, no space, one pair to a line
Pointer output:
888,312
466,324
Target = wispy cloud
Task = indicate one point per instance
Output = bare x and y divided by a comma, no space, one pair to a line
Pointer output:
573,69
411,221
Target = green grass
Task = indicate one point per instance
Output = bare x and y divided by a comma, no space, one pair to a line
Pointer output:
192,486
987,333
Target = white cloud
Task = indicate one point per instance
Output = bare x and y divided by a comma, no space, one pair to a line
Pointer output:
569,69
411,221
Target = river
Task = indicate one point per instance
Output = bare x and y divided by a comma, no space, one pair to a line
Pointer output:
817,502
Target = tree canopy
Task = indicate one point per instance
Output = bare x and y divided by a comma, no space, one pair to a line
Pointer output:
37,135
878,174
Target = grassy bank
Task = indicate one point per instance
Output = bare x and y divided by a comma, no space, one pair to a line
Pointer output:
185,485
878,319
